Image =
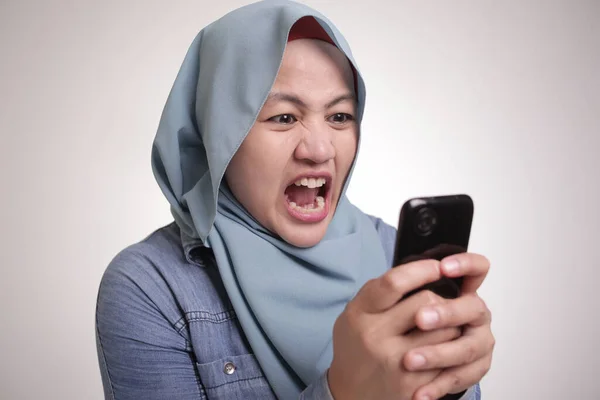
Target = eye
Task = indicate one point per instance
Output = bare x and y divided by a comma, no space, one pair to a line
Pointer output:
341,118
284,119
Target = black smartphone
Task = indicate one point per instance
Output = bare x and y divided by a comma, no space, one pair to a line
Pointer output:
434,228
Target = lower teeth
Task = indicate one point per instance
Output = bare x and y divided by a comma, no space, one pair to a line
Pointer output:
310,207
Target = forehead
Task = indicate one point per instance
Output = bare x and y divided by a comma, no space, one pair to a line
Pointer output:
315,66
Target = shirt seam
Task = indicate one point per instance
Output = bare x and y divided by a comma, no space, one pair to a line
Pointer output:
196,316
236,381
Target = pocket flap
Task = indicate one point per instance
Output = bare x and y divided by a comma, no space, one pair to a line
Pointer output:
228,370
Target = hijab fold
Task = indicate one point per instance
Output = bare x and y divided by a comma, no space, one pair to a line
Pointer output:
286,298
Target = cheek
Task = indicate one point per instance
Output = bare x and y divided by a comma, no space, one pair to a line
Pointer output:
254,174
347,144
265,162
235,175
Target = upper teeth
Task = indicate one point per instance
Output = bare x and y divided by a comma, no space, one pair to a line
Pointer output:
310,182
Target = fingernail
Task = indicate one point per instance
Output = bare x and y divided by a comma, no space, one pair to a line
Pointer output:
429,317
425,397
450,265
417,361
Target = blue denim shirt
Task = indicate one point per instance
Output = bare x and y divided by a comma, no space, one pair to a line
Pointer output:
165,328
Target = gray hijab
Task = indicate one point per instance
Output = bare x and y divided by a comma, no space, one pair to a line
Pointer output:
286,298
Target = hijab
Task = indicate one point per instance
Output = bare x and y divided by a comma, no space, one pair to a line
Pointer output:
286,298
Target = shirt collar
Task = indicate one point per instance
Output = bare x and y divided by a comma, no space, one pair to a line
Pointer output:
193,249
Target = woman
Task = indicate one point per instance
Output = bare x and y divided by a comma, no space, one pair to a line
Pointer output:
270,283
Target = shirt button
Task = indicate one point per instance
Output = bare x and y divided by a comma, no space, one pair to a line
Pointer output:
229,368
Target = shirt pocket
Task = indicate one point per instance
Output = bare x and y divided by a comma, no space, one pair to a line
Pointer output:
233,378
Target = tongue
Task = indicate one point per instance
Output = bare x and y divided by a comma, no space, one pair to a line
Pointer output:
301,195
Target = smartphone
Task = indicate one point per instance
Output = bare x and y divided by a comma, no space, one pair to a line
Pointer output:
434,228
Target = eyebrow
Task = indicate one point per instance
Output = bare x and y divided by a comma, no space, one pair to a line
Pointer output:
290,98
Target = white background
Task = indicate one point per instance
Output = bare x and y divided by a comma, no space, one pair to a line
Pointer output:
500,100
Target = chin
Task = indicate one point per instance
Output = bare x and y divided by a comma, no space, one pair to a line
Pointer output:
304,235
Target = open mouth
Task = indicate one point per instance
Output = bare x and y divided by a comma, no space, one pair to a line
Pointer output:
307,198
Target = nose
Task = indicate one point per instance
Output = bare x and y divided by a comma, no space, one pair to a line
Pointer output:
316,145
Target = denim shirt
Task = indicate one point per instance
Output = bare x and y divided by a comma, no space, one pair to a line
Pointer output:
165,328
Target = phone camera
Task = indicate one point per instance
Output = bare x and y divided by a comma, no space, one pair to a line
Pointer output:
426,221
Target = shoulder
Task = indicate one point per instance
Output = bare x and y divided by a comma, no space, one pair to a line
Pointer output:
154,274
143,264
387,236
135,277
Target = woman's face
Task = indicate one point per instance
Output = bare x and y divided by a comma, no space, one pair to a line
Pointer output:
290,170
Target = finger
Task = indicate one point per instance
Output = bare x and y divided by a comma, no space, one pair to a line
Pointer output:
418,338
438,252
454,380
412,258
382,293
400,319
466,310
462,351
473,267
443,250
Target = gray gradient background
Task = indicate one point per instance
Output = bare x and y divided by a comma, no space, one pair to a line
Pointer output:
497,99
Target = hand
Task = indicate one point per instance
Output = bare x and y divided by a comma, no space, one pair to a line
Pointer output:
375,331
466,360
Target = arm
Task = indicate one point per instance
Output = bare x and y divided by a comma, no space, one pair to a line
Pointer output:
141,354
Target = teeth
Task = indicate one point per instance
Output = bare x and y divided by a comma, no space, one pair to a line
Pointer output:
310,208
310,182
